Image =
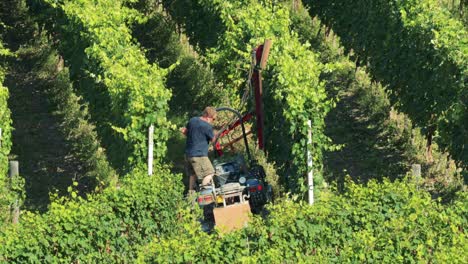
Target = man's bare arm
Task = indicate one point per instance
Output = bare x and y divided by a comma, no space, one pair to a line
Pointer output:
215,132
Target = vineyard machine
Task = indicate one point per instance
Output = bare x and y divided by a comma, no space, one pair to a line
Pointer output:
239,187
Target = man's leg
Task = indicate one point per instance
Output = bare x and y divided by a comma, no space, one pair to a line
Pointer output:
191,174
203,169
192,182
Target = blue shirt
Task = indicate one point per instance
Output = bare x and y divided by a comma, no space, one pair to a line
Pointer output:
199,135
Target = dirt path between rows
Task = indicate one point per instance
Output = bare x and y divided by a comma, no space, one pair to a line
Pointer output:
43,154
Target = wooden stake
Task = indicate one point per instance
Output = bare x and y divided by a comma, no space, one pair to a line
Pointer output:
14,172
416,171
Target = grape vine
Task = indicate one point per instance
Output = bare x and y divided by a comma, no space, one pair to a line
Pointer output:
191,81
5,136
419,52
5,119
363,120
96,33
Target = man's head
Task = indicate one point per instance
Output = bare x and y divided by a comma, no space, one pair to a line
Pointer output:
210,113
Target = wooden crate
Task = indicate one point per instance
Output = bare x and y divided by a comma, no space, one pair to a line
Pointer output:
232,217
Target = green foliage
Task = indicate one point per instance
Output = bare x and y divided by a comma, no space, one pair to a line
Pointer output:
16,184
5,136
16,26
376,141
200,21
140,220
191,81
293,92
458,9
5,123
54,143
271,172
127,93
75,125
103,228
15,197
419,52
380,222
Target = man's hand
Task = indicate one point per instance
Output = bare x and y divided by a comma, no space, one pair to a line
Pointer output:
215,133
183,130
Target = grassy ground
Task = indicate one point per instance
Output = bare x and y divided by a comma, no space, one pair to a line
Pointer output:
44,155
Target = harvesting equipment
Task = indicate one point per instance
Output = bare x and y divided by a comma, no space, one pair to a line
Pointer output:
239,187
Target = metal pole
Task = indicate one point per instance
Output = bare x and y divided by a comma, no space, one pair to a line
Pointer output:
150,149
0,137
310,174
14,172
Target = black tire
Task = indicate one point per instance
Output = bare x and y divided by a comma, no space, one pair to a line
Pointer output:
208,214
255,208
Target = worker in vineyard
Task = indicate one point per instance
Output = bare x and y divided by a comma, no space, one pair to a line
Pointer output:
200,133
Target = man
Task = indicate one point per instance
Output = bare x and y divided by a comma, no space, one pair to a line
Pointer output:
199,132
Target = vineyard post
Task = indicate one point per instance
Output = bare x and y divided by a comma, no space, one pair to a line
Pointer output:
150,149
14,172
0,137
416,171
310,170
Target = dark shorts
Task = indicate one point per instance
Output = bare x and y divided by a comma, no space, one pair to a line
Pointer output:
199,166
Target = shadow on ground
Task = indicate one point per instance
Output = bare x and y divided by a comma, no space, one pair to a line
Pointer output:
44,156
361,124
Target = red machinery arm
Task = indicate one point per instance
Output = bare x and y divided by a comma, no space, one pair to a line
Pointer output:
260,57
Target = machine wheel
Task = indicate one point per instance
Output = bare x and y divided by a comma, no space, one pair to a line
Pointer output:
208,214
255,208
